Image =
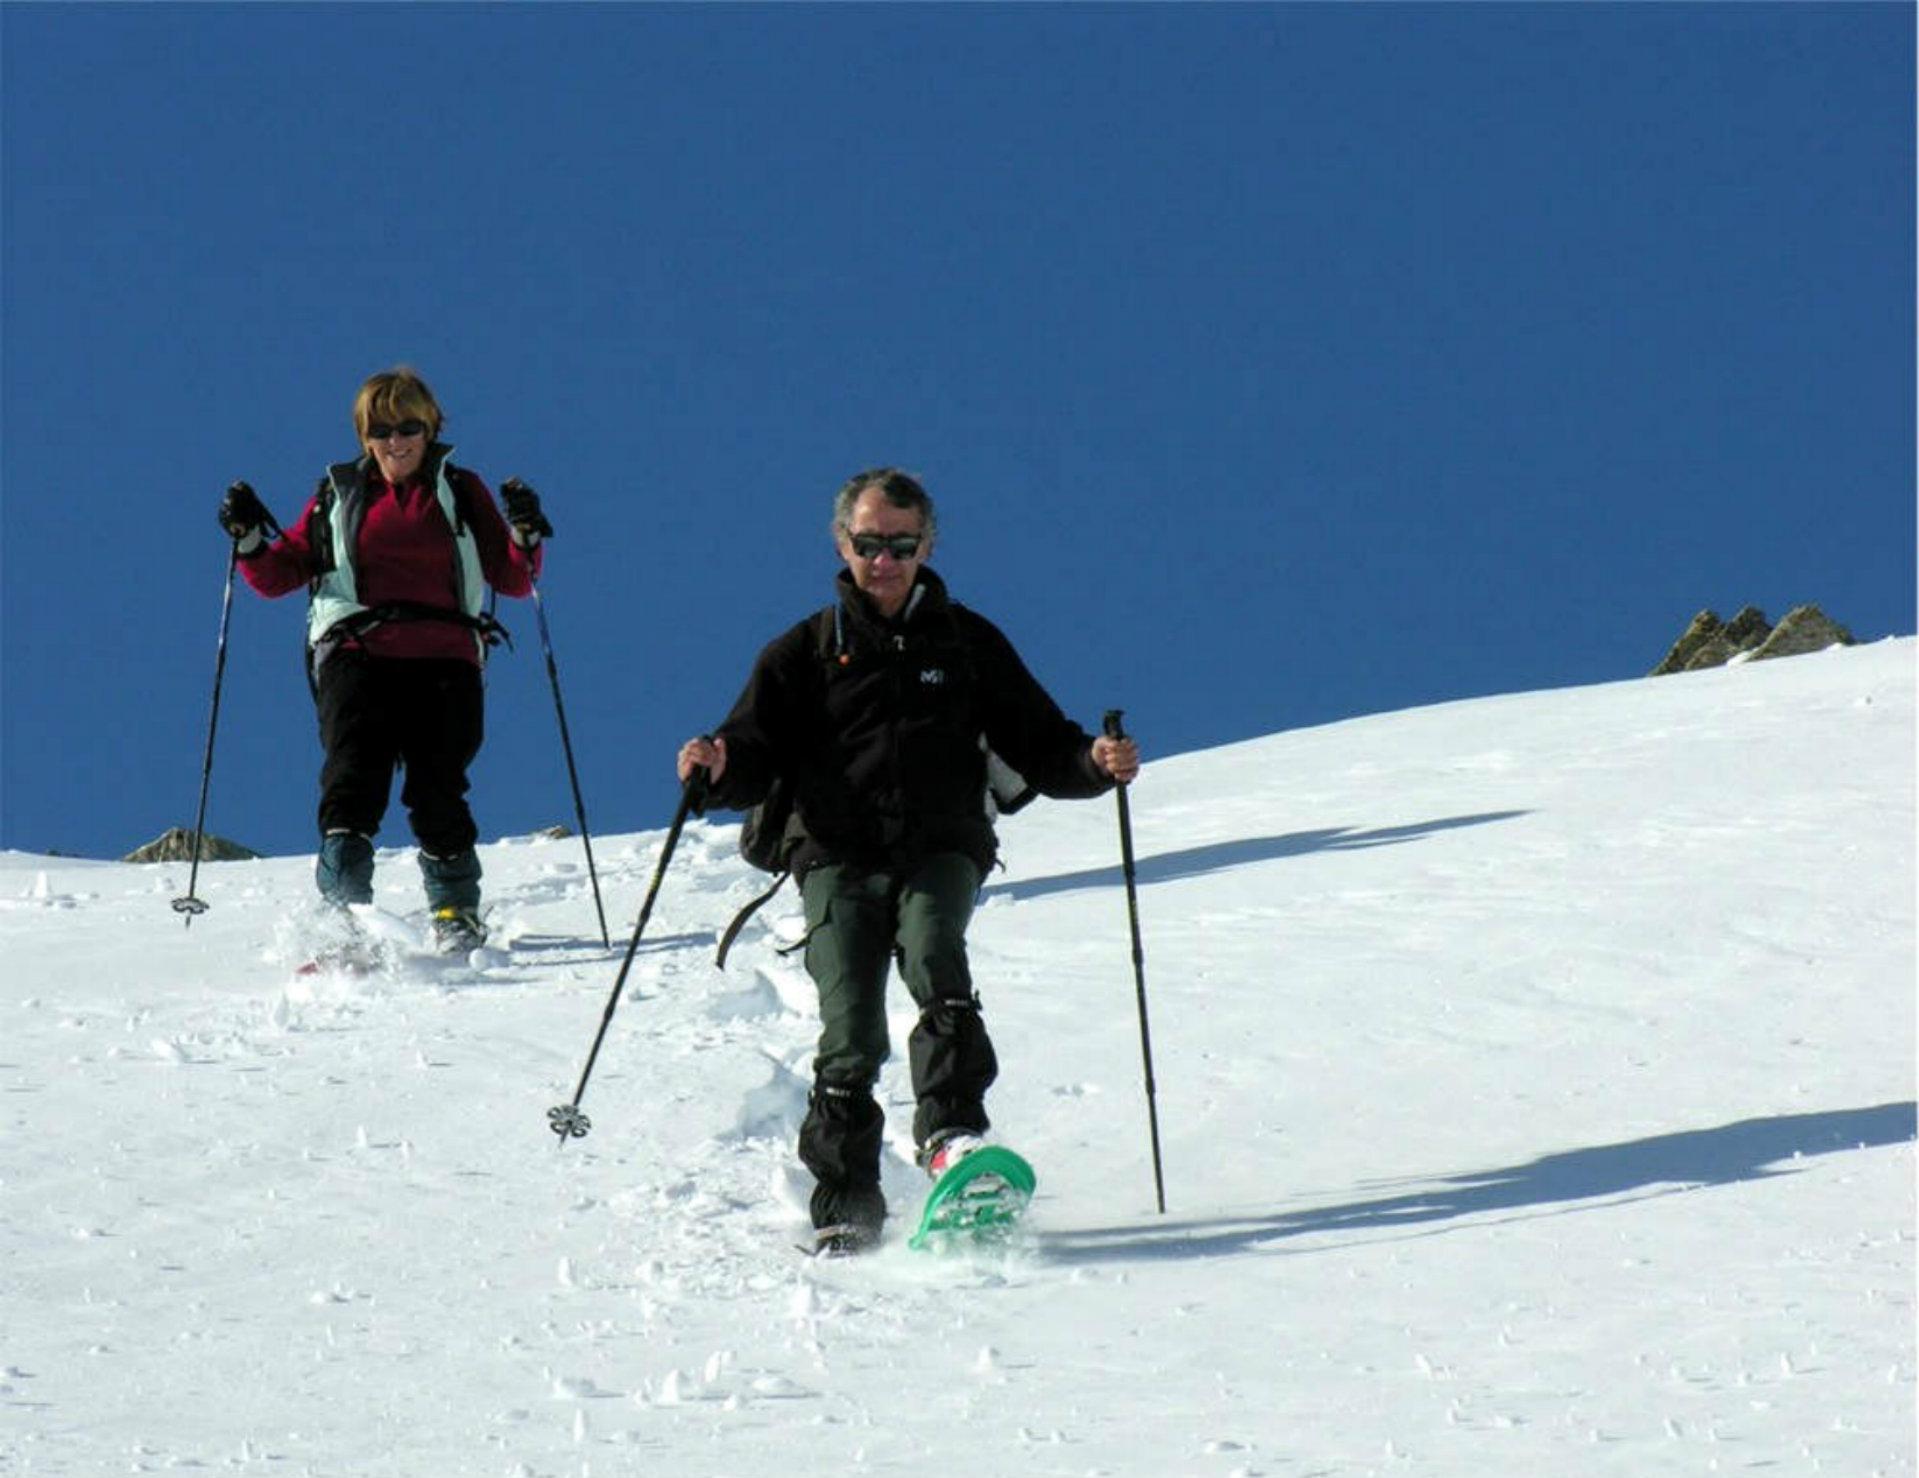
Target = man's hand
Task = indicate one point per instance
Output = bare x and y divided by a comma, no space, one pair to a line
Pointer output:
1118,758
702,751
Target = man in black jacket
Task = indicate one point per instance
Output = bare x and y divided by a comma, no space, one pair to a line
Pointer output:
878,716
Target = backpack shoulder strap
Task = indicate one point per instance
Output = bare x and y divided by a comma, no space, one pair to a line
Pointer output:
320,525
829,635
740,918
457,478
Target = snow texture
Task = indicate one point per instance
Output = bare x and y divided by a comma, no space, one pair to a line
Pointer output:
1535,1077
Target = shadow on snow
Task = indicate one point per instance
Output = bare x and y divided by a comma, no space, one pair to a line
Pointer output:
1751,1149
1218,856
573,943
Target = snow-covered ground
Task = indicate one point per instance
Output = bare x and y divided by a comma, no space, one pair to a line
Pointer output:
1535,1078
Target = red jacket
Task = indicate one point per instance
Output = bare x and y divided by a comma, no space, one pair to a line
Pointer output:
405,552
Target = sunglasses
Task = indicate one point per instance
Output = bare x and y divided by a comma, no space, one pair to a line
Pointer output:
872,546
381,430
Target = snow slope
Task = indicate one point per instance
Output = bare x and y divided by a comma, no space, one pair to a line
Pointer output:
1535,1074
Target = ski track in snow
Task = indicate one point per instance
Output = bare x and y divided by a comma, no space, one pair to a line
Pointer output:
1535,1077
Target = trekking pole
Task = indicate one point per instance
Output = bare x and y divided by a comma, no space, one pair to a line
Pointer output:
1114,731
192,903
572,773
565,1119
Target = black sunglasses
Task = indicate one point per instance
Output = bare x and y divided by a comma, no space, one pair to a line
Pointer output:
381,430
871,546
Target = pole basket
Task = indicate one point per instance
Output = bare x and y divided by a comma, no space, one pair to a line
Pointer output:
566,1120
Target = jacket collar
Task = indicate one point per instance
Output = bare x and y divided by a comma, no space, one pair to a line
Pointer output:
927,597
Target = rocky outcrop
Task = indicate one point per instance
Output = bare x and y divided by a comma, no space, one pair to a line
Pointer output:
1803,629
1710,642
175,844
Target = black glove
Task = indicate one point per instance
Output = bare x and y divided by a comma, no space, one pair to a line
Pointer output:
523,512
244,516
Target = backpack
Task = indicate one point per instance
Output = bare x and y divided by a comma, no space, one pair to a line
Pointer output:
771,830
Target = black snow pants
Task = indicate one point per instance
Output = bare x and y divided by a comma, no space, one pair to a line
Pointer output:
376,714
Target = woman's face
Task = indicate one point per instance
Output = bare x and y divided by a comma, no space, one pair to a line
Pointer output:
399,447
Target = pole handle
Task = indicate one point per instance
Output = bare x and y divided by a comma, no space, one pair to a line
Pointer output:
1110,725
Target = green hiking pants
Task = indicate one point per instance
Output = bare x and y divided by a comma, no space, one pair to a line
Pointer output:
860,924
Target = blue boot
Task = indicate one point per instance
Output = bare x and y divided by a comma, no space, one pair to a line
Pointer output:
344,868
453,899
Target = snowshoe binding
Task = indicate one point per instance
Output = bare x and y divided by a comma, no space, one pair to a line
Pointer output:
457,931
977,1201
945,1150
845,1239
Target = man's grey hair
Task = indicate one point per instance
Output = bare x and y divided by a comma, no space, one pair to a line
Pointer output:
901,489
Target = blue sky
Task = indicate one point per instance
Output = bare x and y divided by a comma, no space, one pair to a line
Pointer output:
1272,364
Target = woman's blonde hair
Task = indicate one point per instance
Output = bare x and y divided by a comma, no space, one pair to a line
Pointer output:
398,394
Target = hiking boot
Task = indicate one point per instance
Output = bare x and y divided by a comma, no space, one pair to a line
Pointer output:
457,930
944,1151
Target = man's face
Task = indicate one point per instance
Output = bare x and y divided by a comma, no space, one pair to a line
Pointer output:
884,574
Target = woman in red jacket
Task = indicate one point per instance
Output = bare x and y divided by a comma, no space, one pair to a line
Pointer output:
397,550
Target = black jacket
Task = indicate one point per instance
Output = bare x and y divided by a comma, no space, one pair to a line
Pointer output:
878,731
